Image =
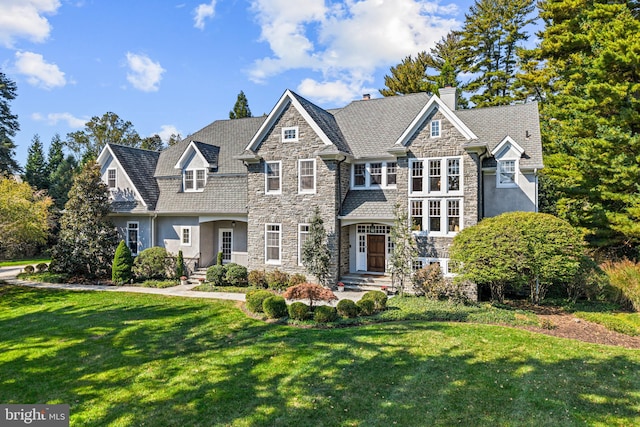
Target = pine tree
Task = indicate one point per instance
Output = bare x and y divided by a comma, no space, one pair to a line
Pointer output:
408,77
315,252
241,108
122,265
55,156
61,180
8,126
588,69
492,34
35,171
87,239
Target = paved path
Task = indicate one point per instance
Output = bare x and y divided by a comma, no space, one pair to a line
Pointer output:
8,274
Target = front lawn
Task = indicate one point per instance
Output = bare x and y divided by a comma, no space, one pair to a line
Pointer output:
137,359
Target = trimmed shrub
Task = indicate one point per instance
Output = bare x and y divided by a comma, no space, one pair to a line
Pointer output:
257,279
347,308
236,275
29,269
325,314
254,299
154,263
42,267
298,311
296,279
274,307
216,274
220,258
366,306
180,270
428,281
379,299
277,280
122,264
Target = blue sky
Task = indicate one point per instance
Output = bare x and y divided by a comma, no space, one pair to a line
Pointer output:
176,66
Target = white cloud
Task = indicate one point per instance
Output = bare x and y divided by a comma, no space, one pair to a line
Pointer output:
347,41
144,75
166,132
54,118
39,72
202,12
24,19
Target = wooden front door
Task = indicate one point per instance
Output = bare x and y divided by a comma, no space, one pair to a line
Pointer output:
376,252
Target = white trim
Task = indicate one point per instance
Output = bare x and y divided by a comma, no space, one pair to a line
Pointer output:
185,154
195,188
266,177
443,214
444,177
290,128
115,159
137,229
367,175
300,243
315,177
115,178
266,239
189,234
444,264
432,125
433,103
507,184
507,141
221,231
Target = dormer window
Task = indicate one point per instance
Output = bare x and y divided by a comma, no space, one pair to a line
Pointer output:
507,173
290,134
435,128
507,155
194,179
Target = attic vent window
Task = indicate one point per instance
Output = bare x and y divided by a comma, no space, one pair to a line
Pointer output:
290,134
435,128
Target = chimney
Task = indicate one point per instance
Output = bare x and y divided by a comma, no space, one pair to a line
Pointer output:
449,95
366,96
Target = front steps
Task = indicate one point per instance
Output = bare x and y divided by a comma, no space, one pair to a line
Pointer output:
197,276
366,281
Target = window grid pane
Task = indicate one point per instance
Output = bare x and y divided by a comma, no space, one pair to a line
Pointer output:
359,175
507,171
416,176
200,179
273,242
434,215
188,180
416,215
453,178
273,176
453,214
392,173
307,175
376,173
435,128
111,178
435,175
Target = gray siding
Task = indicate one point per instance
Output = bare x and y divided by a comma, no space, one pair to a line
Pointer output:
501,200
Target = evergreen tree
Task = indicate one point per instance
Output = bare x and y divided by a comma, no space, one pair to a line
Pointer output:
408,77
492,34
153,143
174,139
241,108
588,69
87,239
404,250
55,156
122,265
8,126
61,180
315,252
35,171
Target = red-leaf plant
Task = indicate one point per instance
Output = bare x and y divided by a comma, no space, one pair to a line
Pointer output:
309,291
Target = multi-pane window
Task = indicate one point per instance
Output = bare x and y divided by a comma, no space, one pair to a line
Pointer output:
200,179
375,174
436,175
226,244
447,267
111,178
188,181
185,236
194,179
437,216
303,234
507,172
272,243
359,175
132,237
392,172
435,128
307,176
289,134
272,173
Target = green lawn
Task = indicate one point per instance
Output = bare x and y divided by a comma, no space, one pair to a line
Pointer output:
134,359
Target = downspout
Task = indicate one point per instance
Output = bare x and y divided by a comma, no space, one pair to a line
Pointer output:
339,221
535,173
153,229
481,185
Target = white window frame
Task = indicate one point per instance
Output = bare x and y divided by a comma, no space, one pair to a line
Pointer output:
422,262
367,175
387,173
286,134
266,177
221,232
187,241
194,180
300,176
115,178
506,184
303,230
136,227
444,215
278,232
435,128
444,176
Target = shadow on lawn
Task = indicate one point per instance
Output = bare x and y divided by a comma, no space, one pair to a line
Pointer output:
133,360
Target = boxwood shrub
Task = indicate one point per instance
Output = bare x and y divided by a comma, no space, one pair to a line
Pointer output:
366,306
347,308
274,307
298,311
216,274
255,298
236,275
379,299
325,314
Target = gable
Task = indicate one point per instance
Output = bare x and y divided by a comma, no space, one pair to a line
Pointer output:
198,155
507,149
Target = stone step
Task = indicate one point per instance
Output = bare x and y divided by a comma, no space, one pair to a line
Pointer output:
366,282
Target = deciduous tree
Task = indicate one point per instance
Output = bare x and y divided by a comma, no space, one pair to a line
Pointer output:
315,252
100,131
310,291
404,249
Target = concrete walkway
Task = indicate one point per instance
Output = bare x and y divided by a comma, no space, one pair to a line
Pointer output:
8,274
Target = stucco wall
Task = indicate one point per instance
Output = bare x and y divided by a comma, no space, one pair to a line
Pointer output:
501,200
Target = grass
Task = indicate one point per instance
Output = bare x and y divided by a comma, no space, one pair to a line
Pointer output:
30,261
209,287
136,359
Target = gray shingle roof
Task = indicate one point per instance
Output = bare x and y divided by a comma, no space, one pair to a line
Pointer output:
231,136
493,124
369,204
222,194
210,153
139,165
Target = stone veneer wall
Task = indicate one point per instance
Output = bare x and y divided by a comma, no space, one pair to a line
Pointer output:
290,208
